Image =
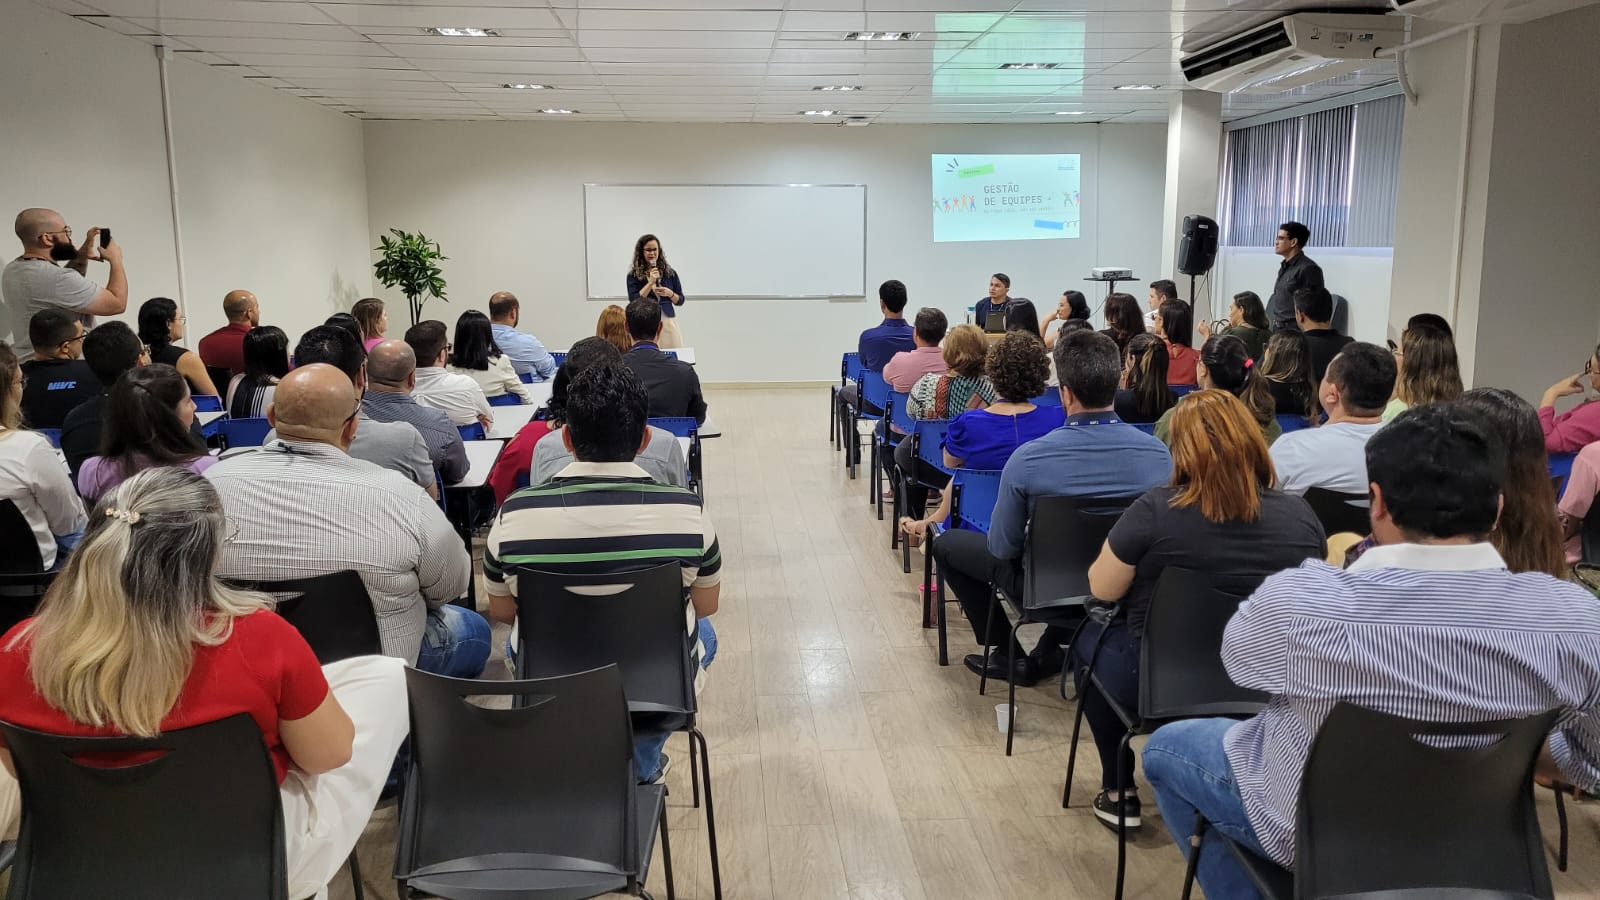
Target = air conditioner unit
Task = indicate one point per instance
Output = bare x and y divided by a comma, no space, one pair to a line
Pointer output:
1292,52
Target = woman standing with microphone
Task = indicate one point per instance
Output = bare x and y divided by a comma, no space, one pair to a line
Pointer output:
652,278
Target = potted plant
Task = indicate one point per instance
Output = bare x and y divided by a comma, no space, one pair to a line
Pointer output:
410,262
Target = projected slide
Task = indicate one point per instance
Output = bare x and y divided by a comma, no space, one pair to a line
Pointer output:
1025,197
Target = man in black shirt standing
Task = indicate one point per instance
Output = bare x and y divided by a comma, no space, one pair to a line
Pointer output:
57,379
1297,271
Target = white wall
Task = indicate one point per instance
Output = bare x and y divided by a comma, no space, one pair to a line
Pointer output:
505,200
272,188
1360,275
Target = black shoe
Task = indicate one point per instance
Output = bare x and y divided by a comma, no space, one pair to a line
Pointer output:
1000,668
1105,809
1048,663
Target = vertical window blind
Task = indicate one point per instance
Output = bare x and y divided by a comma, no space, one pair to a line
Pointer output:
1336,171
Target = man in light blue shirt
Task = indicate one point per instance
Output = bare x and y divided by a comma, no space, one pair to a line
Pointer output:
527,355
1094,454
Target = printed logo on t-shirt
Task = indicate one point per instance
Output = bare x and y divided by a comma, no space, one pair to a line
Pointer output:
61,385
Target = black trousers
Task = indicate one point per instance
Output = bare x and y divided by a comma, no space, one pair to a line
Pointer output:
918,472
971,571
1117,667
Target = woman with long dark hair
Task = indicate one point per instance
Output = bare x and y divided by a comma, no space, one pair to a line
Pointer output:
1123,320
159,326
1144,395
1175,323
1073,307
1021,315
476,355
651,277
1287,370
266,359
148,414
1225,365
1247,321
1528,532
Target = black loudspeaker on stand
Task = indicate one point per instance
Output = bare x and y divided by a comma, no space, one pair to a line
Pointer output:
1197,249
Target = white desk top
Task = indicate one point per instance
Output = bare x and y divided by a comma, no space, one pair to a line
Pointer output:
206,418
481,456
540,392
508,420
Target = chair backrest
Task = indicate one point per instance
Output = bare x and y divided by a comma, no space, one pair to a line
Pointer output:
1338,512
1180,661
1050,397
332,612
19,548
1589,537
207,403
220,377
249,432
527,377
1560,470
559,356
1466,788
679,426
874,389
1064,538
1289,422
549,778
507,399
573,623
899,412
472,431
1182,389
928,435
53,435
850,367
976,492
202,819
1146,427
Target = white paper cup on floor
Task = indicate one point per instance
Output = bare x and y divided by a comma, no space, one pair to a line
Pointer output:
1002,716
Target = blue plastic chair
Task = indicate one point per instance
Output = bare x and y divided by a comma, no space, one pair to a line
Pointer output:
207,403
505,400
874,391
1146,427
559,356
927,444
525,377
883,444
53,435
974,493
1561,470
686,426
1051,397
1182,389
472,432
251,432
1293,423
849,368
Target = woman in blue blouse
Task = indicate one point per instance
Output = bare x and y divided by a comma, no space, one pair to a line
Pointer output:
652,278
985,438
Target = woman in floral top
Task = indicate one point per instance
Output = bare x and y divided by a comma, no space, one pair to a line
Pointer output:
945,396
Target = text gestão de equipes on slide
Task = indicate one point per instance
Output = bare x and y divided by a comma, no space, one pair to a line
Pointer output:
1029,200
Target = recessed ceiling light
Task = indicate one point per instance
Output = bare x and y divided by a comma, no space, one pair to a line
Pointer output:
558,112
837,87
1029,65
1136,87
527,87
818,112
879,35
1071,112
461,32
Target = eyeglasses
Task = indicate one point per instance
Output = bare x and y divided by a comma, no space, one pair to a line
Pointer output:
65,231
74,339
144,349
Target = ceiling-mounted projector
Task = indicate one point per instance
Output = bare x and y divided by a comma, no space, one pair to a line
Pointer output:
1292,52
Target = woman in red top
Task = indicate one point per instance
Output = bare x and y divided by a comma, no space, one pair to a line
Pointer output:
139,610
1175,324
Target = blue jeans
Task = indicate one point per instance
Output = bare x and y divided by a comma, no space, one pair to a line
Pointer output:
647,750
1185,765
1116,664
456,643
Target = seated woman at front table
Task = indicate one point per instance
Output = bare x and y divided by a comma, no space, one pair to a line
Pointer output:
476,355
266,359
33,477
1427,370
1145,396
159,326
537,453
1247,321
1175,324
1073,307
1579,427
1219,517
1225,365
188,650
985,438
946,396
1124,320
374,321
148,414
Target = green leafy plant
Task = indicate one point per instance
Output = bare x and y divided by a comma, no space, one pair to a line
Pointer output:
411,263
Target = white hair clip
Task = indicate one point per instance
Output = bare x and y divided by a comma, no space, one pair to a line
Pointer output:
129,516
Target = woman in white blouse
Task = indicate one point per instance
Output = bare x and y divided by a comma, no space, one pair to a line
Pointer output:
476,355
33,475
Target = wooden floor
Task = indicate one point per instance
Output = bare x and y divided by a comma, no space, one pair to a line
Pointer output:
846,762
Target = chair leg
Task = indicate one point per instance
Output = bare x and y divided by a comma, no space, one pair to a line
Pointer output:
1122,817
358,891
927,579
1561,835
1196,840
666,855
694,777
833,412
1011,695
1072,752
994,610
895,483
877,477
711,816
940,613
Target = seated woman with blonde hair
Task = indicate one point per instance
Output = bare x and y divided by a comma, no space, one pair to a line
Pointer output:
613,326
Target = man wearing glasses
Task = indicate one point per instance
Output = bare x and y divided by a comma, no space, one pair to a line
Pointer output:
56,379
1295,272
34,281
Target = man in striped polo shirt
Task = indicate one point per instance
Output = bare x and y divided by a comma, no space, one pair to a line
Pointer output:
1428,625
602,515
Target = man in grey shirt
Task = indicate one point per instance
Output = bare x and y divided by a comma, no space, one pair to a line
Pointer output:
33,281
395,446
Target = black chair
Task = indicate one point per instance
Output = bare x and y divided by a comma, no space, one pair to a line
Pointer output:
1181,675
1064,538
574,623
332,612
1589,537
201,820
23,581
535,801
1340,512
1470,827
221,377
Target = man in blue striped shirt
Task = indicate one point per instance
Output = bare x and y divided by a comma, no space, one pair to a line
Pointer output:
1428,625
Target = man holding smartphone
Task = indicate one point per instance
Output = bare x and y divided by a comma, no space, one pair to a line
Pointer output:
35,281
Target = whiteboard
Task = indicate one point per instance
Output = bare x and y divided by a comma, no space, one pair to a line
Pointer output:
731,240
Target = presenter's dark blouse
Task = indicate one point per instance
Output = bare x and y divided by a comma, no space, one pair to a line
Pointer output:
669,281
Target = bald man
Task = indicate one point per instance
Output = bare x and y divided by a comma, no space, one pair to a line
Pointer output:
224,348
391,376
527,355
303,506
34,281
